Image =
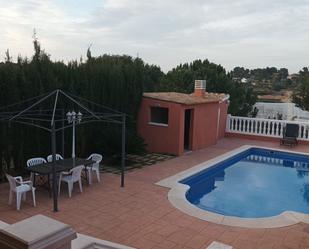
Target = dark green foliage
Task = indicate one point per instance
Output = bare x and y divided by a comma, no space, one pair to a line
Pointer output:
240,72
114,81
181,79
276,77
242,100
263,73
284,73
268,73
301,94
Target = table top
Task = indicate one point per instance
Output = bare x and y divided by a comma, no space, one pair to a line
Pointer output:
60,165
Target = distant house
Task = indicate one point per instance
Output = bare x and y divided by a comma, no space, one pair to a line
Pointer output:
286,111
293,76
173,123
244,80
236,79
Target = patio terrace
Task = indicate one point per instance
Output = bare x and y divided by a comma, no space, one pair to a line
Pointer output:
141,216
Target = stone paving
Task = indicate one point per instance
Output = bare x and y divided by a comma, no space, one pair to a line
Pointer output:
137,162
141,216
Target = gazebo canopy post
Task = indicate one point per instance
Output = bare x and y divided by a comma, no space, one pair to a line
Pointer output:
62,134
55,194
53,140
123,148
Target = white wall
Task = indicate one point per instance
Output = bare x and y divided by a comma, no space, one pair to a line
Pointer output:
289,111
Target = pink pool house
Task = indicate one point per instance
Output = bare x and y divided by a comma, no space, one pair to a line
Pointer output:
173,123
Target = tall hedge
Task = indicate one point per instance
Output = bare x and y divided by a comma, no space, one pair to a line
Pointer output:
110,80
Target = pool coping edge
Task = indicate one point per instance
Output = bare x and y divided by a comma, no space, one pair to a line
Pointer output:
177,198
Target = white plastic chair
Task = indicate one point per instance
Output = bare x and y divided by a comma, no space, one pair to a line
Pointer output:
74,175
50,158
20,188
35,161
58,157
95,166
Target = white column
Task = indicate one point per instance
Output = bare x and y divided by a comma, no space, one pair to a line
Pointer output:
73,140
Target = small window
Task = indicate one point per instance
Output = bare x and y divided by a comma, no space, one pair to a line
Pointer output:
159,115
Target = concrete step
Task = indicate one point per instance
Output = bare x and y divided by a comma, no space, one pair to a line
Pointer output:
88,242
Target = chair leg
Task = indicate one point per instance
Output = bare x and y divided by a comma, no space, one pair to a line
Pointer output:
31,176
98,175
70,188
25,196
59,185
80,185
89,171
10,197
33,197
18,200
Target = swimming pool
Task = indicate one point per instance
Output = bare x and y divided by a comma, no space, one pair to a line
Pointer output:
253,187
253,184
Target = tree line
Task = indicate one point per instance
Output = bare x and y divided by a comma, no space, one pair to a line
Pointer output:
267,73
301,93
116,81
181,79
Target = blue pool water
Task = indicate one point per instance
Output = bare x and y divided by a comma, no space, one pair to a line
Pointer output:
255,183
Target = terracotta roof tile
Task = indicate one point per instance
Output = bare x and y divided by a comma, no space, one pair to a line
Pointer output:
186,99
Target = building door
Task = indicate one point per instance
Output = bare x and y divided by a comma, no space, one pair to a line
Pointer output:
187,129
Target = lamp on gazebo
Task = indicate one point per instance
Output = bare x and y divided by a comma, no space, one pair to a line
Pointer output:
74,118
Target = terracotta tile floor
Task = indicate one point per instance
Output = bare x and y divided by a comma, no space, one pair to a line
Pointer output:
140,215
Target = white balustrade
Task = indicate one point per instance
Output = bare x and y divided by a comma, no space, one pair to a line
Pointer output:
264,127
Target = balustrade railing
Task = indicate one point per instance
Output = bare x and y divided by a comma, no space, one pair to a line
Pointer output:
263,127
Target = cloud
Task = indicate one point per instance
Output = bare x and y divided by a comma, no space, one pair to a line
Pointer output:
249,33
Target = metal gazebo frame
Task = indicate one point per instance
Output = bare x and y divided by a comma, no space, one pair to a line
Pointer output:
41,115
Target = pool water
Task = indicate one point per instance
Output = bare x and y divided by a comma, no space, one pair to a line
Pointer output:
253,184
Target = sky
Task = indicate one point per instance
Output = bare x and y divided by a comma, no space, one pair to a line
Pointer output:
248,33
